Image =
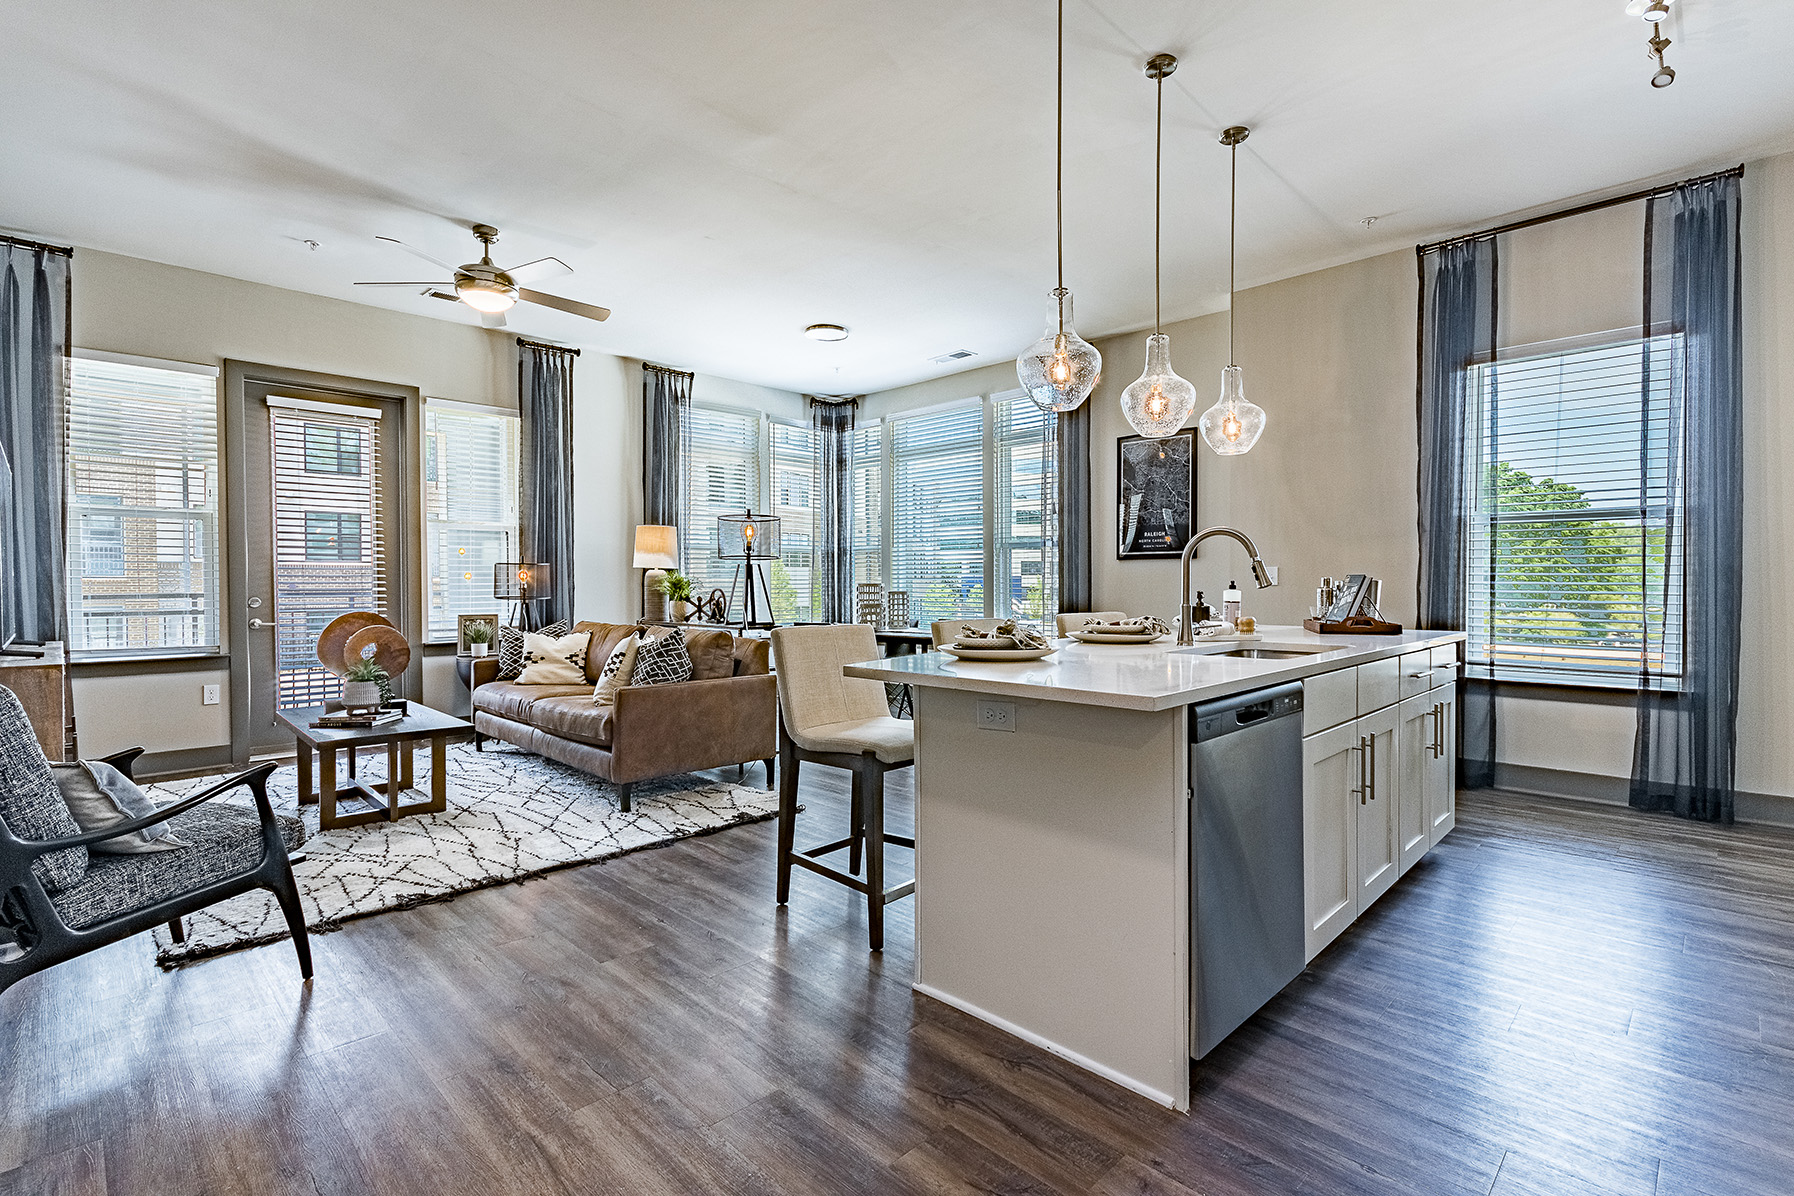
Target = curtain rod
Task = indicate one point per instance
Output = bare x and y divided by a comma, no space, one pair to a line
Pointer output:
22,243
667,369
529,344
1579,210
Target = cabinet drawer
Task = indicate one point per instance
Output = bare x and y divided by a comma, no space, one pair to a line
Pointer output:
1379,684
1445,654
1329,699
1417,673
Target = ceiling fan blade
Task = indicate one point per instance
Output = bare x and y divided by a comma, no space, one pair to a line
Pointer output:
542,267
443,295
417,253
493,319
399,284
589,311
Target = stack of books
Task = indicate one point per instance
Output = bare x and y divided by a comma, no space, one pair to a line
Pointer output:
344,719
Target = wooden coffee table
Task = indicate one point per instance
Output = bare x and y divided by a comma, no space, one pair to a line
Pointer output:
382,797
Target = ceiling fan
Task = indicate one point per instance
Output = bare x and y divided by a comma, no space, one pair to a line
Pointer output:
490,290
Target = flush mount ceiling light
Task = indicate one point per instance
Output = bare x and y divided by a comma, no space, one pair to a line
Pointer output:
1234,424
1158,402
826,332
1655,12
1060,369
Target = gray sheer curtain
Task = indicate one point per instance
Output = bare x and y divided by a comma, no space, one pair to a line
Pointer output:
1457,327
666,394
1685,757
545,400
833,422
34,349
1073,469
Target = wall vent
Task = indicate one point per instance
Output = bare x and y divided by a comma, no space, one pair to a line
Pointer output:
956,355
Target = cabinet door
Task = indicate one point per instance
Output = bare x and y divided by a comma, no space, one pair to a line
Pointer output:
1329,834
1442,784
1379,806
1415,747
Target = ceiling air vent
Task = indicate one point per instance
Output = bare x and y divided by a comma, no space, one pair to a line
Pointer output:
956,355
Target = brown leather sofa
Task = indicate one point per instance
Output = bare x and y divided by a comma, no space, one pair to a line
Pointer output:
728,713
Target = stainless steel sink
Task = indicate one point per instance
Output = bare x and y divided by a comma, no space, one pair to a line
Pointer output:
1271,653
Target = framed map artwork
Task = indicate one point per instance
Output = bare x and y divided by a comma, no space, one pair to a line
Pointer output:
1157,509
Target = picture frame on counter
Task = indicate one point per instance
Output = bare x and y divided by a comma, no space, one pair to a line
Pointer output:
1156,502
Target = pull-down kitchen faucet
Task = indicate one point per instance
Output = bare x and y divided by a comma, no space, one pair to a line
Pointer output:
1186,633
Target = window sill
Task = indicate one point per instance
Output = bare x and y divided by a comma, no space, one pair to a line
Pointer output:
1564,679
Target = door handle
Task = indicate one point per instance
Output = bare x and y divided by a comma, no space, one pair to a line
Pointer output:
258,624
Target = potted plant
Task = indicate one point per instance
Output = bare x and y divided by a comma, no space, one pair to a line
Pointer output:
362,685
479,638
677,588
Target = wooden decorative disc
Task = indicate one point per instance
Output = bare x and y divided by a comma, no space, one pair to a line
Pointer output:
384,645
335,637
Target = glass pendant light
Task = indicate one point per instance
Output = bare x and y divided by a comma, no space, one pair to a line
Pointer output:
1060,369
1158,402
1234,424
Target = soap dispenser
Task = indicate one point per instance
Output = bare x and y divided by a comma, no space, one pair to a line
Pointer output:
1230,603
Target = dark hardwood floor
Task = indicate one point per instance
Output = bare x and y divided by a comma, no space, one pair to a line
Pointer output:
1561,1000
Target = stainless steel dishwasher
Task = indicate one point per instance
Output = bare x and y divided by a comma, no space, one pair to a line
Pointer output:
1245,856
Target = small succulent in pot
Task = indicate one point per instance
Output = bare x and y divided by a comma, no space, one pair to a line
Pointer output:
677,587
479,637
364,685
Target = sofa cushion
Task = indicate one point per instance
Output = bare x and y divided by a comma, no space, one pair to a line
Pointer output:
753,656
574,717
31,805
507,699
223,841
712,654
605,638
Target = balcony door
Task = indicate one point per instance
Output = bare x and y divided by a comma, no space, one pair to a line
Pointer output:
321,467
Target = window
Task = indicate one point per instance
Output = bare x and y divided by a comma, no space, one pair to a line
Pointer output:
1023,444
722,454
937,512
470,509
867,490
330,449
143,506
1574,554
792,578
332,536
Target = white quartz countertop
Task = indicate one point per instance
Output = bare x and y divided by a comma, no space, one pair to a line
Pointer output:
1149,676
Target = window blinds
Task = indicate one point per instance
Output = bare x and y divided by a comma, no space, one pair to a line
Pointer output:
143,508
1025,588
866,526
329,555
722,462
792,580
1574,554
937,512
470,510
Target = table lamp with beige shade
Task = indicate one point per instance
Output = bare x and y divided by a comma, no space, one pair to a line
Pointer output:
656,550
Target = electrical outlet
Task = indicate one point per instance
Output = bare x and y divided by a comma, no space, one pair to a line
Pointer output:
996,716
209,695
1272,571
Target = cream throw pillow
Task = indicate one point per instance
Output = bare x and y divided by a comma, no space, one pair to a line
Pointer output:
554,661
616,671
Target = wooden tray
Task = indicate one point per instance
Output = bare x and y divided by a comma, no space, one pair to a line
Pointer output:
1356,625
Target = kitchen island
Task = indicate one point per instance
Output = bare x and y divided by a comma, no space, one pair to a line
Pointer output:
1054,807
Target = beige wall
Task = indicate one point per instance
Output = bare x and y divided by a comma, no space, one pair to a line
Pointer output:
128,305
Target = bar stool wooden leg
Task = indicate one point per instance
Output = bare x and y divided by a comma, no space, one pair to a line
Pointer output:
872,771
856,822
787,812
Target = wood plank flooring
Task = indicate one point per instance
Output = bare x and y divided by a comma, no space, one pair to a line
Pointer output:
1561,1001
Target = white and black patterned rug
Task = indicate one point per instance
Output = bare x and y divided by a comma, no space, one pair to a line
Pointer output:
511,815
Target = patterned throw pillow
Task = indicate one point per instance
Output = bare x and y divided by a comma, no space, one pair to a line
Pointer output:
662,661
617,671
510,647
551,660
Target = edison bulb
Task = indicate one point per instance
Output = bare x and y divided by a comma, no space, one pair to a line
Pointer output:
1060,369
1234,424
1158,402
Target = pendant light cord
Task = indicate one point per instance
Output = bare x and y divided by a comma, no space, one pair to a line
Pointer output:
1158,166
1233,219
1059,168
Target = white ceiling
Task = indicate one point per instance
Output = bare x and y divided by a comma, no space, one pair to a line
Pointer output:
723,172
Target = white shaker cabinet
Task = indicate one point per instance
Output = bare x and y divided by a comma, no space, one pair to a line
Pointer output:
1442,779
1330,769
1379,802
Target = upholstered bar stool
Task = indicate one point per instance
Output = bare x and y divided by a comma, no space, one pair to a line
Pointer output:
1072,621
828,718
945,631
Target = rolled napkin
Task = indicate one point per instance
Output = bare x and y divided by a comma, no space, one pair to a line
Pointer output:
1213,630
1006,635
1137,625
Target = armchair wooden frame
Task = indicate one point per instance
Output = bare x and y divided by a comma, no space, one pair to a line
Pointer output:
42,939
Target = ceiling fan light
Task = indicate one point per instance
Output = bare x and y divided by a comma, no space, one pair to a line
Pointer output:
485,296
826,332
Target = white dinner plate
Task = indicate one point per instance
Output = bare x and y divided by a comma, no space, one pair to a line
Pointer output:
1115,637
997,653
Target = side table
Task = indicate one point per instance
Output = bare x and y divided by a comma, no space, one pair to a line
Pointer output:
383,798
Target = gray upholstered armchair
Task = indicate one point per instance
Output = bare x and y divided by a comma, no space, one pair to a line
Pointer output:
58,900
